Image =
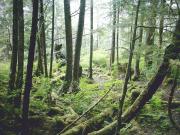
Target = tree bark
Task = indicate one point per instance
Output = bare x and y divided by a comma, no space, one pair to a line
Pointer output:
43,36
12,75
79,42
28,82
112,58
69,50
52,41
40,69
19,81
91,43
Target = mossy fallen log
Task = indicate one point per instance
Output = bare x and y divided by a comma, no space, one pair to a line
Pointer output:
90,124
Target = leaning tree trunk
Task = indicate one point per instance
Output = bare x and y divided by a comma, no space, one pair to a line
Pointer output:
28,82
171,52
91,43
128,73
78,44
12,75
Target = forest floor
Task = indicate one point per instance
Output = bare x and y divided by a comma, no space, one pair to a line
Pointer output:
50,113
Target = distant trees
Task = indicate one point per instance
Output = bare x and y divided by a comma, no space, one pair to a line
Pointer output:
28,81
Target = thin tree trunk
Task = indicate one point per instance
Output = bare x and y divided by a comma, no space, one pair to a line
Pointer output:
117,35
12,75
43,36
161,23
69,49
40,69
128,73
28,82
136,67
79,43
91,43
52,41
113,34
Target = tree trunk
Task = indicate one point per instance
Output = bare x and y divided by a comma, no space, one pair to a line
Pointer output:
91,42
28,82
79,43
128,73
136,67
12,75
52,41
150,33
161,23
19,81
40,69
117,34
113,34
43,36
69,50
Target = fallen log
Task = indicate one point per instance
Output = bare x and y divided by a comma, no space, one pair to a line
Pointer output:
171,52
89,125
